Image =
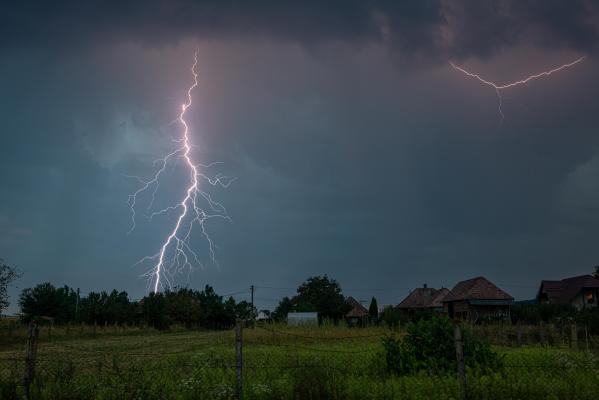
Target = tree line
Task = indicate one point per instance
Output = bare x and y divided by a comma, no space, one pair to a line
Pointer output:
188,307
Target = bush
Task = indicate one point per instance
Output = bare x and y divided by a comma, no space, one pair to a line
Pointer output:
429,346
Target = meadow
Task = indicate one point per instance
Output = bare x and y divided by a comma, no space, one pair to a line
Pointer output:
279,362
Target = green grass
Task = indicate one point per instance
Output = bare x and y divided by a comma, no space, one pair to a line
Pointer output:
306,363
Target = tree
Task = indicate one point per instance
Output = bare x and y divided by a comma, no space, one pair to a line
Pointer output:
44,300
323,295
285,307
153,308
8,275
596,273
373,310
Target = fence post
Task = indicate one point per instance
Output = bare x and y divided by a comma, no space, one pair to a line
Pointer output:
459,352
586,336
239,359
519,335
574,336
542,336
30,357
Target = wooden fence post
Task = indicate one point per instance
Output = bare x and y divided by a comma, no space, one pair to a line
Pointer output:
586,336
239,358
30,357
542,336
459,352
574,336
519,335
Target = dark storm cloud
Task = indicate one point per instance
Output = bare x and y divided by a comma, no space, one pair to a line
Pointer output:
433,29
481,27
347,165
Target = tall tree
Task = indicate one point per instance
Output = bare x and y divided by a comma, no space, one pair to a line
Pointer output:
44,300
373,310
596,273
8,275
324,295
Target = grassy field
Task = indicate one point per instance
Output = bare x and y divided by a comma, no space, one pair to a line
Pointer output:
279,363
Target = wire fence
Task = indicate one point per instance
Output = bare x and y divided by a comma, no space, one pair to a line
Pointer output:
270,362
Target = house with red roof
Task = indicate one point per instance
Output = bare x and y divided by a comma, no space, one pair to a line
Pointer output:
476,300
358,314
579,291
423,299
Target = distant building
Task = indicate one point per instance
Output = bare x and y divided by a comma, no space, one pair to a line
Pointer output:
477,299
358,315
423,299
263,316
302,318
578,291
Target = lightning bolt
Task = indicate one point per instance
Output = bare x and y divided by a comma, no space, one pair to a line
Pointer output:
194,209
498,88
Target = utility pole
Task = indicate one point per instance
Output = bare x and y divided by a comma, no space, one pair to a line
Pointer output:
252,291
77,306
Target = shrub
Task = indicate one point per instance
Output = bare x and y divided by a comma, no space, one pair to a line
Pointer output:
429,346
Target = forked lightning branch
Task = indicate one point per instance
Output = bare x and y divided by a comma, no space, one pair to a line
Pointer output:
500,87
176,255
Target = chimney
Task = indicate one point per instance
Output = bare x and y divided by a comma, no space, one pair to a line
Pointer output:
424,286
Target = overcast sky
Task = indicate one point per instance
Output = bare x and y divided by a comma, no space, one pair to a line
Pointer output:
359,151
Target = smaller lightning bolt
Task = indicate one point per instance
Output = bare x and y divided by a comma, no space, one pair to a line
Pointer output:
498,88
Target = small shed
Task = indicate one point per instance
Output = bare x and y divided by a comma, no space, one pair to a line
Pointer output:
358,315
302,318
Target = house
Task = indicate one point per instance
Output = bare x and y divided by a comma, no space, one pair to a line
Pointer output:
358,315
477,299
579,291
302,318
423,299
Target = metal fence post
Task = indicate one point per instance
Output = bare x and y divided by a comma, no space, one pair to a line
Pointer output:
239,358
30,357
459,352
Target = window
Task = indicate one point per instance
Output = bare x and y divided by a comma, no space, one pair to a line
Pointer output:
590,298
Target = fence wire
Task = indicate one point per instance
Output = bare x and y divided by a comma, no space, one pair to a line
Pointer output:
281,365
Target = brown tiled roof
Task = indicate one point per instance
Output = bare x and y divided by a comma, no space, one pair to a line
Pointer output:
477,289
418,298
561,292
438,297
358,310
